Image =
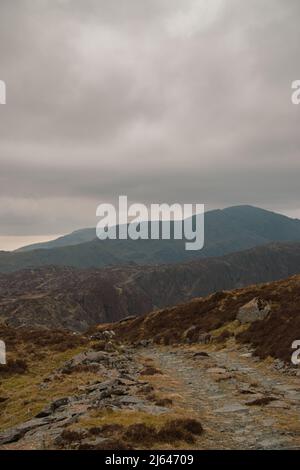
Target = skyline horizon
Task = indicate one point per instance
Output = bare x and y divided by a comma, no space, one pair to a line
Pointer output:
15,242
199,108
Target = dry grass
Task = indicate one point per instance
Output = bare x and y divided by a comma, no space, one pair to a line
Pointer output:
137,430
14,366
27,393
217,314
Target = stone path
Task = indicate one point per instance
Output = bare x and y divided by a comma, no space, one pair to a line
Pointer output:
242,404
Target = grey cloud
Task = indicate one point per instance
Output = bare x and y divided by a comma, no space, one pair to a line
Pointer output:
162,100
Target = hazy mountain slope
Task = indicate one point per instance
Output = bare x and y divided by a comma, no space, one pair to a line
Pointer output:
266,224
216,220
74,238
226,231
75,299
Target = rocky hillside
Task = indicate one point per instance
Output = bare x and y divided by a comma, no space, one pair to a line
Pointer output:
75,299
64,391
214,373
264,316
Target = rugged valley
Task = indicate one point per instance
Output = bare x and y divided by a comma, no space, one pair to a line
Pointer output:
213,373
75,299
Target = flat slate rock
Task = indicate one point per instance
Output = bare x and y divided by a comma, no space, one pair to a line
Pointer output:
233,408
216,370
279,404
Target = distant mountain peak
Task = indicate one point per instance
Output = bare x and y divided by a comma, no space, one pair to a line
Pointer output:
228,230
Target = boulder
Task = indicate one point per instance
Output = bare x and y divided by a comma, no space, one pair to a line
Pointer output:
95,359
55,405
97,336
232,408
201,354
278,364
255,310
100,335
109,347
144,343
204,338
189,333
108,334
11,435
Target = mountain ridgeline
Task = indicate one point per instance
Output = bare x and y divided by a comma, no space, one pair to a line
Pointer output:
226,231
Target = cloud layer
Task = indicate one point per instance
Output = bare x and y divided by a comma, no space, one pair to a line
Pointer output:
161,100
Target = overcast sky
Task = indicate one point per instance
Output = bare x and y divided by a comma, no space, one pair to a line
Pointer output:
160,100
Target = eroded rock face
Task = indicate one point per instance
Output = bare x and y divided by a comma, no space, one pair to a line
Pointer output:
255,310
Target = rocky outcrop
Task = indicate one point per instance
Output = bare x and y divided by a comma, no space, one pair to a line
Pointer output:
255,310
122,388
265,316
